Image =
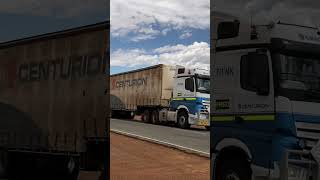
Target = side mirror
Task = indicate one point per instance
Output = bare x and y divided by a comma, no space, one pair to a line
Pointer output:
228,29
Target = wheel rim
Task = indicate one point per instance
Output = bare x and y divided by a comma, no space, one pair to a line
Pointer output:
232,176
153,118
146,116
182,120
71,165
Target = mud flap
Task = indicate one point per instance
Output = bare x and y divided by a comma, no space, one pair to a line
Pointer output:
40,165
95,156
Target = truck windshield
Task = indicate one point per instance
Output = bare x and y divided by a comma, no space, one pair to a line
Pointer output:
203,85
299,78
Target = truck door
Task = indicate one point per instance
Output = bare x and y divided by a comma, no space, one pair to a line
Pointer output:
184,87
184,94
244,102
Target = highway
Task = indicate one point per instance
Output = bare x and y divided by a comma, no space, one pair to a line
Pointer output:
194,139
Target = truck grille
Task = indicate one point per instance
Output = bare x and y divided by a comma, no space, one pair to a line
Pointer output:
206,106
310,132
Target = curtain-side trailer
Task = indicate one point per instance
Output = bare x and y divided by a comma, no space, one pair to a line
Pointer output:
53,102
161,94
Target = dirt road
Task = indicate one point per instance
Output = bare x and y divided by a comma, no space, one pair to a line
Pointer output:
133,159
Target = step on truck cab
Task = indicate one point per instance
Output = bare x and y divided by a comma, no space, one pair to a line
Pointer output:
163,94
265,101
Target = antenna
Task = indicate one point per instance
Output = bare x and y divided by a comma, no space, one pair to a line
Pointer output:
254,33
251,19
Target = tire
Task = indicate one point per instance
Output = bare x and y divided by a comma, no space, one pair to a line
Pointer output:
111,114
182,120
155,117
207,128
130,115
3,163
211,166
233,169
146,116
73,170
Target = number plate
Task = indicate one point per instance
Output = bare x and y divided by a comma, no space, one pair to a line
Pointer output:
203,123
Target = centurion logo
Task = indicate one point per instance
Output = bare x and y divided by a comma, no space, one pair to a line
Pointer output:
129,83
63,68
308,37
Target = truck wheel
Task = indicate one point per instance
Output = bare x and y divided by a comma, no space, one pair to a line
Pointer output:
111,114
155,117
208,128
212,163
146,116
233,169
131,115
73,169
183,120
3,163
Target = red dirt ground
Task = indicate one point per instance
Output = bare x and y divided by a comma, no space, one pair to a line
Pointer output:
133,159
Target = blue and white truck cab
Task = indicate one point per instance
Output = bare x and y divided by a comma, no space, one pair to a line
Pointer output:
265,111
190,103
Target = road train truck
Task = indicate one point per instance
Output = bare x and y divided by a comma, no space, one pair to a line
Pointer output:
265,111
163,94
53,103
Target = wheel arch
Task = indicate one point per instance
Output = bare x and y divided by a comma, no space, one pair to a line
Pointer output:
230,148
235,145
183,108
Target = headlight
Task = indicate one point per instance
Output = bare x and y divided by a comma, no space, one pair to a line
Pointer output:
297,173
302,143
203,116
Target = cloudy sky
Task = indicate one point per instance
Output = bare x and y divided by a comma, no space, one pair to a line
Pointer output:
304,12
145,33
25,18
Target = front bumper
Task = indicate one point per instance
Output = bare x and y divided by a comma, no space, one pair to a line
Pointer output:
203,119
299,165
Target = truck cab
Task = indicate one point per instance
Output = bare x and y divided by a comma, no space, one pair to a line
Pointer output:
190,103
265,103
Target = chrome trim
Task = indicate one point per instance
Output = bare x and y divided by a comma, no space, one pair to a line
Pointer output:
310,132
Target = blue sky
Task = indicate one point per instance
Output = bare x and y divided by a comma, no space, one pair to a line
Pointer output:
30,17
145,33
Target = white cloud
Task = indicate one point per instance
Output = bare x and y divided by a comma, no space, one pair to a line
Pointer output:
132,58
142,37
170,49
165,31
129,16
185,35
193,55
145,33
